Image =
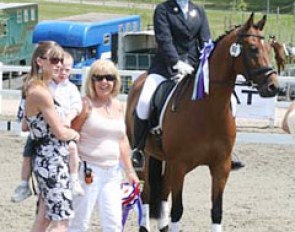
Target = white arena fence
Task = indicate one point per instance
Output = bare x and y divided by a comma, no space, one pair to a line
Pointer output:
251,105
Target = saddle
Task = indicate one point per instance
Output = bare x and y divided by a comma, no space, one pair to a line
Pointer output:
158,101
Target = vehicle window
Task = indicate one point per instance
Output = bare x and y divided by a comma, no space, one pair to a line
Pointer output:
26,15
33,14
91,52
19,17
77,53
107,39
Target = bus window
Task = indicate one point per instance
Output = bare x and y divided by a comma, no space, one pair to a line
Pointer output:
135,26
77,54
106,39
33,14
91,52
19,16
128,27
26,15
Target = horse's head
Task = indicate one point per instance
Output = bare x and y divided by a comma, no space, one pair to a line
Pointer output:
252,57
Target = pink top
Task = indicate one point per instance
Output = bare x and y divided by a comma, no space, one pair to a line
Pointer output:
99,141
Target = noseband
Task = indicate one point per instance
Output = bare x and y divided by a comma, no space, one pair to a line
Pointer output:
251,74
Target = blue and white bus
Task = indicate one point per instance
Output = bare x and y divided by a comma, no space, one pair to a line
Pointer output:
87,37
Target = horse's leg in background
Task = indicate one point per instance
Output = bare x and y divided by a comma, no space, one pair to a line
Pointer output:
279,67
163,221
145,196
219,174
176,190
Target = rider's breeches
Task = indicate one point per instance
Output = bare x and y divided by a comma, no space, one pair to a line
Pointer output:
150,85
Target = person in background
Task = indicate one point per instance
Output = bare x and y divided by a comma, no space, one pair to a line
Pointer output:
103,148
68,96
288,123
181,31
43,119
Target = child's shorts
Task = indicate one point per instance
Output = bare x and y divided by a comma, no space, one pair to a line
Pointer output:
29,150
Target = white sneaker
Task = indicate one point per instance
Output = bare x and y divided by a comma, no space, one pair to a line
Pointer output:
21,193
77,189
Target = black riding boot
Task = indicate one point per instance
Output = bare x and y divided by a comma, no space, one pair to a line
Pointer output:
140,133
236,163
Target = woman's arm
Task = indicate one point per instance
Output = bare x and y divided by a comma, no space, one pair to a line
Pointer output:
24,125
78,122
285,126
126,161
40,100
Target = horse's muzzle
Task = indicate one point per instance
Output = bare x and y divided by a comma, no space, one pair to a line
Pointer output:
271,87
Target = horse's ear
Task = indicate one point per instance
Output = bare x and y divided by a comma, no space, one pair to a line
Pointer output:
249,22
261,23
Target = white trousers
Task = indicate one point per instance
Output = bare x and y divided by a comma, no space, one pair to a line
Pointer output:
150,85
105,194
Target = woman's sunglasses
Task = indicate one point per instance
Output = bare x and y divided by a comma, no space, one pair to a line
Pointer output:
108,77
53,60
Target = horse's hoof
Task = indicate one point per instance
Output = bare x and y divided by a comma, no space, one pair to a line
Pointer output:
164,229
143,229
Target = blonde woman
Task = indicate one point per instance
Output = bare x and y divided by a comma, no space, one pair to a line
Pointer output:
102,147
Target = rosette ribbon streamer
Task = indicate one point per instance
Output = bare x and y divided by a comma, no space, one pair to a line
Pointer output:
201,84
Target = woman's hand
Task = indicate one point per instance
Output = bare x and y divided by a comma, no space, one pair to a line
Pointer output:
132,176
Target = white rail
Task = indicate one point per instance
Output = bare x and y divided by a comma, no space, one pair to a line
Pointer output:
133,73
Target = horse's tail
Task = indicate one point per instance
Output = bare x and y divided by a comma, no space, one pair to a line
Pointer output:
155,181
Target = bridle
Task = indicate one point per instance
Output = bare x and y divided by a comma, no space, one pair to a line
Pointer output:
249,73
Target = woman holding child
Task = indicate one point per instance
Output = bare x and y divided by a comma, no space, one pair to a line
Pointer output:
50,136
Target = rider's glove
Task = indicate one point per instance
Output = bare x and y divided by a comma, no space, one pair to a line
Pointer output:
183,68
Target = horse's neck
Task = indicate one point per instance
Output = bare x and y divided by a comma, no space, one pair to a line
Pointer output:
221,67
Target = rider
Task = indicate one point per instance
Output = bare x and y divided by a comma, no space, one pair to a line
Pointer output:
181,29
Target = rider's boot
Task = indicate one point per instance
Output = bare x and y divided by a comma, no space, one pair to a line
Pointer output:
140,133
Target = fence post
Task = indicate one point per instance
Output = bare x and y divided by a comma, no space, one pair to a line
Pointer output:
1,85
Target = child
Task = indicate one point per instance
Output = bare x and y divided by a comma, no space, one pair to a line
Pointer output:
68,96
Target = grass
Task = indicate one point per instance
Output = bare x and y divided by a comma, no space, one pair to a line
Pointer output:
283,26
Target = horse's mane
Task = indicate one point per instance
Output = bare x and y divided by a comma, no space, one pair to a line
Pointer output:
226,33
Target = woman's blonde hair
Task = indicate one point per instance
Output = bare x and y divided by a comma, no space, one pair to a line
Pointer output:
102,67
49,49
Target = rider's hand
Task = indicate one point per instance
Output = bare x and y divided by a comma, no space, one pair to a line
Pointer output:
183,68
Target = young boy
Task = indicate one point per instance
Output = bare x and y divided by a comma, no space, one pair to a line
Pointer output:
68,96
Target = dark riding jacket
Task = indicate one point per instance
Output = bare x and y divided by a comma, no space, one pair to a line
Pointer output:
178,38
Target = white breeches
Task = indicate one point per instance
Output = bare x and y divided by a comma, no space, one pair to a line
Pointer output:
105,194
151,83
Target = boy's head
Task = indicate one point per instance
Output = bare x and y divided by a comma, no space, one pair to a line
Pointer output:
65,70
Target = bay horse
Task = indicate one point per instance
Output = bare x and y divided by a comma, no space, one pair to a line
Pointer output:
280,54
201,132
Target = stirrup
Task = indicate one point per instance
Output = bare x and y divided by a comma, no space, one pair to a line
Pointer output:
138,159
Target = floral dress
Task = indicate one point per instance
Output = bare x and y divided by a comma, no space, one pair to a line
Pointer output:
51,169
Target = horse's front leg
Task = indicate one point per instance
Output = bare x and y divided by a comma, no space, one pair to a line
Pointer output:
219,175
163,221
176,190
145,196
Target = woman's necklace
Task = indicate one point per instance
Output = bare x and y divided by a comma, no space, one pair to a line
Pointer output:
106,105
